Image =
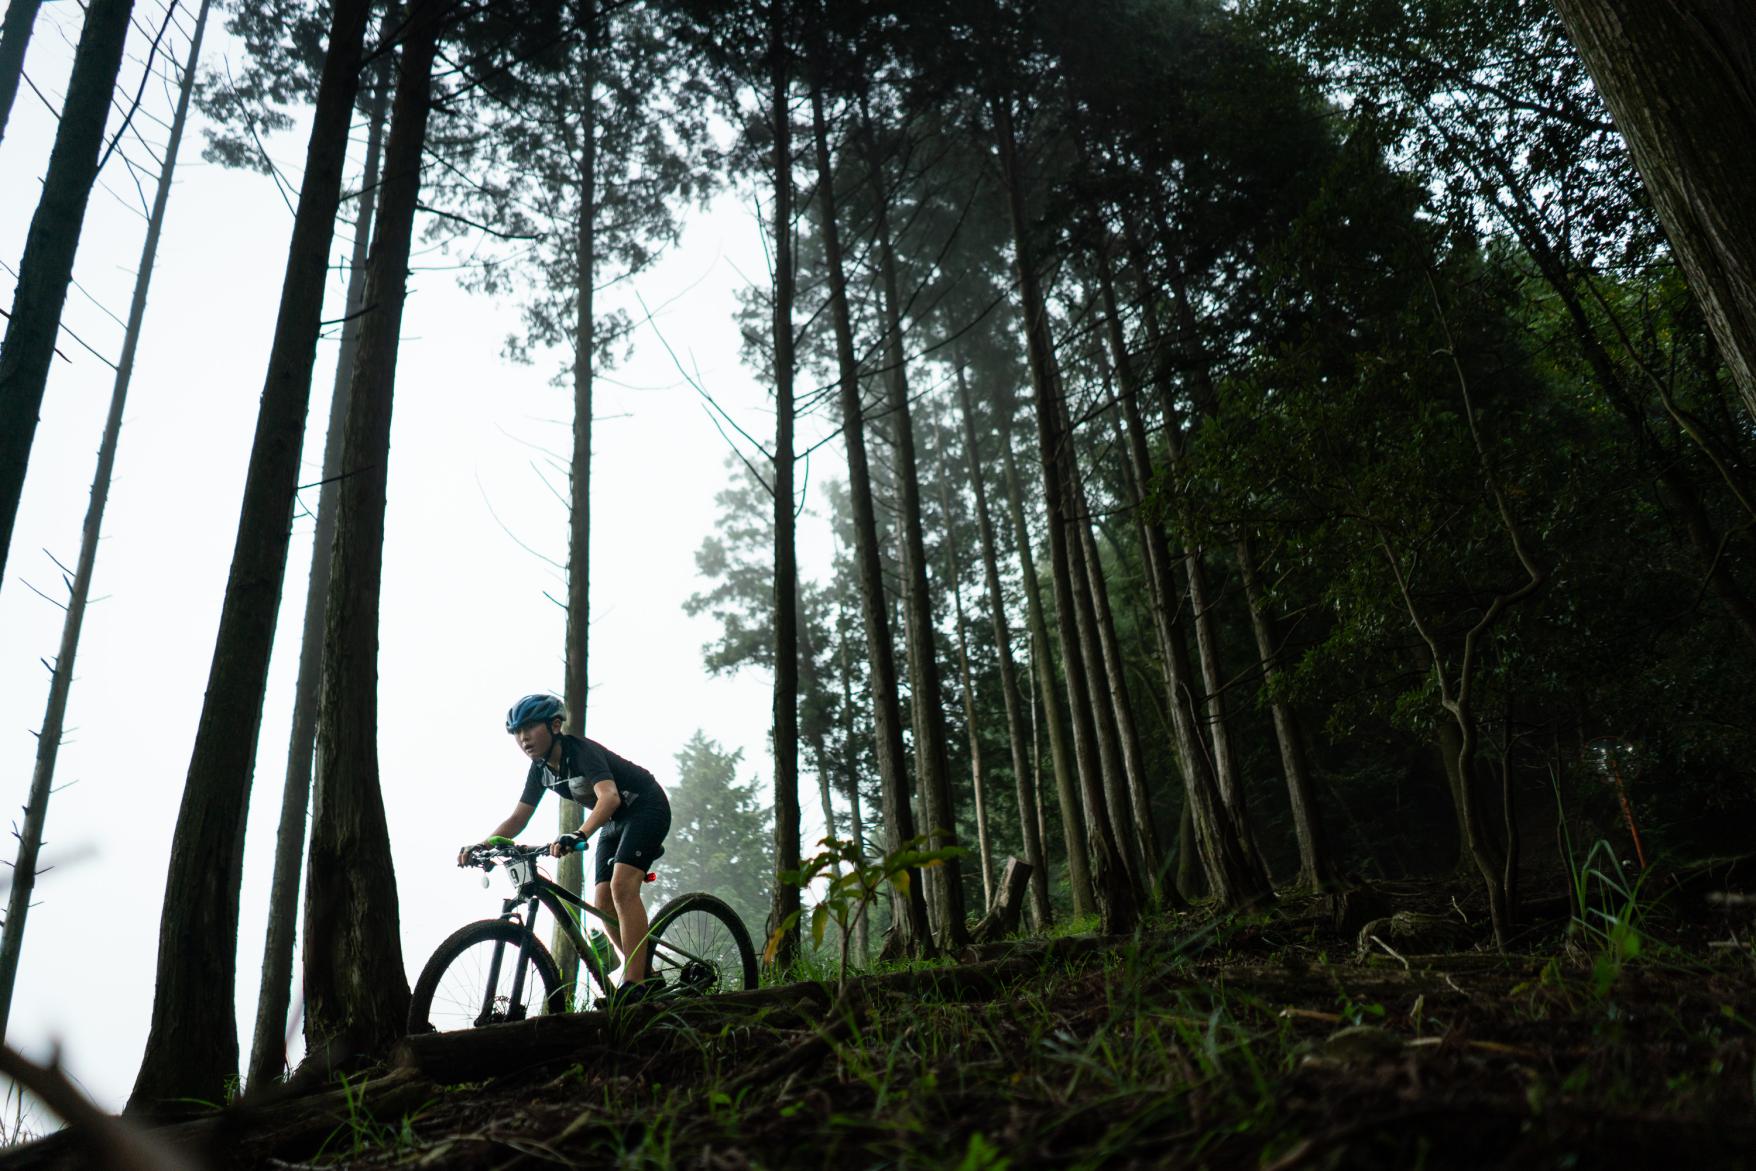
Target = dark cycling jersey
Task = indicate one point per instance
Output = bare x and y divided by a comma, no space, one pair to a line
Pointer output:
583,764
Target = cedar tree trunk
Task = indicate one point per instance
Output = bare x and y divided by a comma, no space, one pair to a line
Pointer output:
268,1046
192,1051
356,989
46,268
913,934
30,836
1023,779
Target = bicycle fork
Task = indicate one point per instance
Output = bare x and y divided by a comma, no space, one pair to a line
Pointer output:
515,995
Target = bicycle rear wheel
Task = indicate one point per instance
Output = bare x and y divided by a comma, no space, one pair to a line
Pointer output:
453,990
700,945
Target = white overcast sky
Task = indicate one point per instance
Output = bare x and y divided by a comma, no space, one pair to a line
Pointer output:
465,626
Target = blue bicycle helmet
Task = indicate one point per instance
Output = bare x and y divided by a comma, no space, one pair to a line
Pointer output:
534,709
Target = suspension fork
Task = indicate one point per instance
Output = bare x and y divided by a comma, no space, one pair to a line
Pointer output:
514,1009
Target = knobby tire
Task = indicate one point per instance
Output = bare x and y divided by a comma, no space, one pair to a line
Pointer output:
706,926
470,979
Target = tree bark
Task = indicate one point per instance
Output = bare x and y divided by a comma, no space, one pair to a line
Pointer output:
268,1047
912,931
1125,768
1060,752
1024,782
977,774
191,1051
926,694
1210,824
786,902
46,267
1117,908
356,989
21,15
1187,742
1680,81
576,691
856,814
30,836
1315,870
1201,606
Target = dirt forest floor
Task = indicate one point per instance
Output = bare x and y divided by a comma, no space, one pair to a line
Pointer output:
1267,1041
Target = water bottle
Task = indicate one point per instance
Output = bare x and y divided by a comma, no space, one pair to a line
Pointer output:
603,950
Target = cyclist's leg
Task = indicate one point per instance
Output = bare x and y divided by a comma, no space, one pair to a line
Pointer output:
625,886
641,843
603,862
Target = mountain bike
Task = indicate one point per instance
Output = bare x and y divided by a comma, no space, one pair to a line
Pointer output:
498,970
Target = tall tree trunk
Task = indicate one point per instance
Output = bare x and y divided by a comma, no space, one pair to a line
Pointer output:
912,931
268,1046
1680,80
856,815
1060,752
1183,734
1117,907
811,684
46,268
1201,602
926,695
977,774
30,837
356,990
1208,831
1189,873
1113,767
21,15
1024,782
570,871
1125,779
1315,871
191,1051
786,904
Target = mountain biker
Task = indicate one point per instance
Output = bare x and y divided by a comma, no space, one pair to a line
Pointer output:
625,806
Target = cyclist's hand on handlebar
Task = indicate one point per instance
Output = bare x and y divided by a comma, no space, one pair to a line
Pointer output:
566,844
463,855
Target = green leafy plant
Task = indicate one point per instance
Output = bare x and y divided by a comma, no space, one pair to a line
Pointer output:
854,884
1607,906
361,1131
982,1155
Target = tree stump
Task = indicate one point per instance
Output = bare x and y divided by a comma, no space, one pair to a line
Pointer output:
1002,918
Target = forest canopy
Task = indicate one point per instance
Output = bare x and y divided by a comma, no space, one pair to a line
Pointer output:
1210,454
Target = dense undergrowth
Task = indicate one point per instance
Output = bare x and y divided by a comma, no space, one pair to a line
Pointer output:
1624,1035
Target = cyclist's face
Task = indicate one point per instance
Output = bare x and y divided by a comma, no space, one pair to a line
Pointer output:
535,739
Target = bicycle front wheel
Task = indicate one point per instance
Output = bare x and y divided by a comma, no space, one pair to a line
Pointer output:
454,990
700,945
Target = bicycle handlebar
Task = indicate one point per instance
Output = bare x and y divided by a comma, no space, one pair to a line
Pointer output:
486,854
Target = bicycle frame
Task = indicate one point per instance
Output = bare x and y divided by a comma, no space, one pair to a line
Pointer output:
534,888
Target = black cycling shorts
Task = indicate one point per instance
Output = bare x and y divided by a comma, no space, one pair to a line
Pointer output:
636,836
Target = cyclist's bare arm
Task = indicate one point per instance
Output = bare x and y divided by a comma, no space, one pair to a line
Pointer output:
514,823
609,800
